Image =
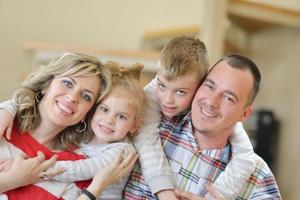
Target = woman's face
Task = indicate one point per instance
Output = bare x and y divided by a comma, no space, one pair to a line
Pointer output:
68,98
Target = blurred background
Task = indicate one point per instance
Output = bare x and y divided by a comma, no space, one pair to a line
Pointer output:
129,31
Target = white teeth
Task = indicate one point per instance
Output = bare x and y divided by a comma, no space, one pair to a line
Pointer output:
64,108
208,114
106,129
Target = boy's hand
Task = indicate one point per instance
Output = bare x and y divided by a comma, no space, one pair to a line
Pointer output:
6,123
190,196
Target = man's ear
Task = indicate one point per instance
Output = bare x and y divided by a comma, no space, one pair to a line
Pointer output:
246,113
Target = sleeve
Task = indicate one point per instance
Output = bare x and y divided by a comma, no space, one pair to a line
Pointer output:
154,164
241,166
10,106
86,169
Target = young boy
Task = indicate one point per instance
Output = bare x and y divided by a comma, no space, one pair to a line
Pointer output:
183,65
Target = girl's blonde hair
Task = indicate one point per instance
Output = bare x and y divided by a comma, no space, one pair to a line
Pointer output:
128,79
69,64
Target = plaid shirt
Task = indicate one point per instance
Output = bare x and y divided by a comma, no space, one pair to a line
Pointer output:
193,168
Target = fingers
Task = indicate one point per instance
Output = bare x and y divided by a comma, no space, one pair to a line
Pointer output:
187,195
6,164
214,193
48,163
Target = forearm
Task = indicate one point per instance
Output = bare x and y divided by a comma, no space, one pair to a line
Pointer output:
8,182
166,195
154,164
10,106
87,168
241,166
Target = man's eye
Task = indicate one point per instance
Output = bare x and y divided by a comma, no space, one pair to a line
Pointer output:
229,99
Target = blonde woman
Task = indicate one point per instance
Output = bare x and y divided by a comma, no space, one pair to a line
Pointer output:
52,106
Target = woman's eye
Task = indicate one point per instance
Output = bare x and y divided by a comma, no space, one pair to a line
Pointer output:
87,97
67,83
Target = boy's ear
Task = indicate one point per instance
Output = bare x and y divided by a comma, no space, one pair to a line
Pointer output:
247,112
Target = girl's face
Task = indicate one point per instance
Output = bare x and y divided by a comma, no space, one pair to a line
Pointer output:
67,99
114,118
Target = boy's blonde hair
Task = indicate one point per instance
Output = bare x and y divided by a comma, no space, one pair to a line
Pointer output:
182,55
128,80
69,64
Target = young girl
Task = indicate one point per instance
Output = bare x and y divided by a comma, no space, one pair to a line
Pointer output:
115,120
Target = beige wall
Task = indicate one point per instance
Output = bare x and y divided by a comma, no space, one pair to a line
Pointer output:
100,23
277,52
120,24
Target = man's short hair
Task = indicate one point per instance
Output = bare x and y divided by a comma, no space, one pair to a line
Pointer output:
243,63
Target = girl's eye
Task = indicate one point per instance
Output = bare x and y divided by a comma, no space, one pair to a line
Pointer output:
122,117
67,83
180,92
87,97
103,109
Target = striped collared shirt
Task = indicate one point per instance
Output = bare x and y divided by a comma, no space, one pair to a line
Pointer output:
193,169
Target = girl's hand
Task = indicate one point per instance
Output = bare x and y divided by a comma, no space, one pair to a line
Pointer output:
6,123
112,173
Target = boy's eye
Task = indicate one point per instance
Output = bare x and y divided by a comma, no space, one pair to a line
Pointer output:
161,86
67,83
180,93
87,97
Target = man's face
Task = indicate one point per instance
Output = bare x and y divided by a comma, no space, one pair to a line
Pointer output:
221,100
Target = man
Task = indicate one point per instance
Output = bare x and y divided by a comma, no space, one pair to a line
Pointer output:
197,144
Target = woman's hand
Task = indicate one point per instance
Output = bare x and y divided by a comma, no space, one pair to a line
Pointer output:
22,171
112,173
6,123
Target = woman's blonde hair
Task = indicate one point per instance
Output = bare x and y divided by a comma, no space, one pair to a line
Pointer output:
127,79
69,64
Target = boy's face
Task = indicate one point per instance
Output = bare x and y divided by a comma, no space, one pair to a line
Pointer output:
175,96
114,118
